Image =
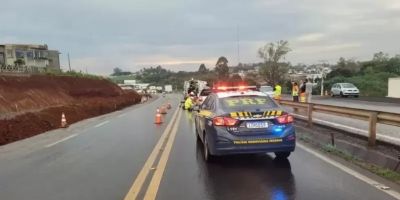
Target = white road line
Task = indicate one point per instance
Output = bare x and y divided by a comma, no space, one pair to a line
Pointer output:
62,140
350,171
101,124
121,115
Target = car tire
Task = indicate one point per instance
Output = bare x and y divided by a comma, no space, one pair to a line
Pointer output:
341,94
207,156
282,155
356,96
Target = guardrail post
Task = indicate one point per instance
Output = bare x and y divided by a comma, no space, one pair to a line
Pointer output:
309,113
373,119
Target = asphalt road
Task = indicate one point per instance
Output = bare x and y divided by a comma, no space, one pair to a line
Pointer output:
104,157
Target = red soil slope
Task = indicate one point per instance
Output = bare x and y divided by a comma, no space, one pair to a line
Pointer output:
32,105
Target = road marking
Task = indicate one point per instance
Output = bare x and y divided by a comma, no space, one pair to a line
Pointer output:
350,171
101,124
121,115
62,140
140,179
152,190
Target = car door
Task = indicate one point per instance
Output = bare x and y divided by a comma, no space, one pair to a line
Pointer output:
333,89
205,113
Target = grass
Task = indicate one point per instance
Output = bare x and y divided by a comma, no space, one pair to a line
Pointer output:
380,171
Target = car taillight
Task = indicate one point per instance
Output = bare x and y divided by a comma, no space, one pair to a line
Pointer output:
224,121
285,119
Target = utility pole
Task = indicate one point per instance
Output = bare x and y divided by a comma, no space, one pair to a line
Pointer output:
238,47
69,63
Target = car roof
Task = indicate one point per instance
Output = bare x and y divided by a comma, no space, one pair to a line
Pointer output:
225,94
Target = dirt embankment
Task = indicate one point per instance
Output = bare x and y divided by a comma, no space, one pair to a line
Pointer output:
32,105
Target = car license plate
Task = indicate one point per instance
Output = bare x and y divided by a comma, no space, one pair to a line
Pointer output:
257,124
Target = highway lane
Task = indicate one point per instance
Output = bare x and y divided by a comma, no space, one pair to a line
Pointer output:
353,103
385,132
105,157
99,163
302,176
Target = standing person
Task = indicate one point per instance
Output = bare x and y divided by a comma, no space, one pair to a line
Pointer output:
277,92
295,92
303,91
309,86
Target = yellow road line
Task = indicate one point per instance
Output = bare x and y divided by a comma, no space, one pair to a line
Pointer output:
140,179
152,190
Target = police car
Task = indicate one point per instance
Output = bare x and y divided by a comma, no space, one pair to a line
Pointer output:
238,120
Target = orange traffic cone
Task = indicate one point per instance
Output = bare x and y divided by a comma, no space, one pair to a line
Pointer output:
169,106
158,117
63,121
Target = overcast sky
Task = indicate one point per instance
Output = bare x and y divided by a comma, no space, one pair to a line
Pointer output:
181,34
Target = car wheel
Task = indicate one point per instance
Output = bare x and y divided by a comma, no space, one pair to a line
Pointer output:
341,94
356,96
282,155
207,156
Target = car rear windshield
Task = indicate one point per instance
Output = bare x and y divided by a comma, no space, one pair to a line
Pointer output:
205,92
266,89
348,85
247,103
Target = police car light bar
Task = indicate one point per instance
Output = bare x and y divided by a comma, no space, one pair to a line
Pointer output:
234,88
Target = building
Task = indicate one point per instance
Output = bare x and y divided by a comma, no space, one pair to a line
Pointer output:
37,56
394,87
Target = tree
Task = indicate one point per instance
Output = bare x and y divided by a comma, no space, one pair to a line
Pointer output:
380,57
202,68
222,69
272,53
19,62
236,78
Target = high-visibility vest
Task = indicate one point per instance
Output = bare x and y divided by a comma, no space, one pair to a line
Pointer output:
303,97
278,91
188,103
295,91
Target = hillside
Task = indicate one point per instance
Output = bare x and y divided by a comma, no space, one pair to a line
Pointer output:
32,105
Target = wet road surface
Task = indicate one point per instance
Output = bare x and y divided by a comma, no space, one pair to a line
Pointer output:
105,157
302,176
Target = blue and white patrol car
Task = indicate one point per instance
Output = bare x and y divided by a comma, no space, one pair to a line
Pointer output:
242,121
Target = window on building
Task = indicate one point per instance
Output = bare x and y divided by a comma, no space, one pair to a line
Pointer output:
19,54
9,53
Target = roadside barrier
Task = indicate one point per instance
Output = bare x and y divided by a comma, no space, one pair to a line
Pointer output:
372,116
63,121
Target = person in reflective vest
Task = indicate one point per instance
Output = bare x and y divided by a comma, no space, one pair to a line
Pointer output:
295,92
277,92
303,92
189,102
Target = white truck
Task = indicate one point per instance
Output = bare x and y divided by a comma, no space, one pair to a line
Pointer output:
197,86
168,88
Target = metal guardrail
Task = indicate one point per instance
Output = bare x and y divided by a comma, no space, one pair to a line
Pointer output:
372,116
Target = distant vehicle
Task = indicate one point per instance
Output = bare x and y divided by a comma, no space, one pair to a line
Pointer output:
344,90
243,122
168,88
268,90
198,85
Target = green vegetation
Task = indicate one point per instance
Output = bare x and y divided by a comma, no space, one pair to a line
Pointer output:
72,73
371,77
381,171
272,69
